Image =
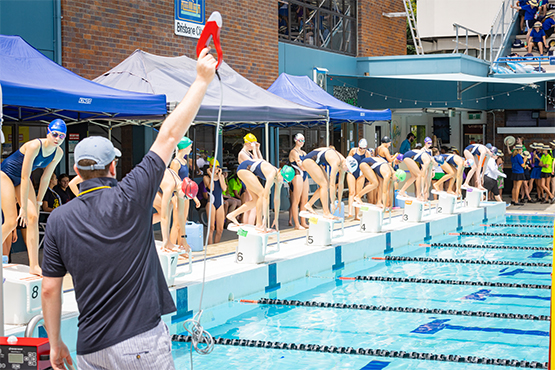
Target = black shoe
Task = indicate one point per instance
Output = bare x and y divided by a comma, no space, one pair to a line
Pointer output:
552,200
545,201
533,201
525,200
519,204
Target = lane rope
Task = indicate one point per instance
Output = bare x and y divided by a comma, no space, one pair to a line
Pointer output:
365,307
485,246
472,233
394,279
371,352
465,261
521,225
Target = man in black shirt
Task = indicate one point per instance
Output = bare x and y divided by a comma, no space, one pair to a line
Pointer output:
104,239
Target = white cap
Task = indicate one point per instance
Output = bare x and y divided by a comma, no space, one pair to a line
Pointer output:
363,143
352,164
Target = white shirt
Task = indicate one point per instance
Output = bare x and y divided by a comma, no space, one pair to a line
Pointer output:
492,171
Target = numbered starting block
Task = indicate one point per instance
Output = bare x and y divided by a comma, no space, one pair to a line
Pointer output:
414,209
475,196
447,202
371,220
253,244
321,230
168,261
22,291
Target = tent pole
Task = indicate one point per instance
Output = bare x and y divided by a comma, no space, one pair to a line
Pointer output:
328,130
1,269
110,131
267,140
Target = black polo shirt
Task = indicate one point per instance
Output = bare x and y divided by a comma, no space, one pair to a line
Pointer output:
104,239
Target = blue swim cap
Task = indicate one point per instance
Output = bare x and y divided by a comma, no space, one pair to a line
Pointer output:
57,125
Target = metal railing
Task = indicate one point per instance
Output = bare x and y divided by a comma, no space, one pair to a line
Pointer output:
539,59
500,29
466,30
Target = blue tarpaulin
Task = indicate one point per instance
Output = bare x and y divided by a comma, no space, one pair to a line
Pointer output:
37,89
302,90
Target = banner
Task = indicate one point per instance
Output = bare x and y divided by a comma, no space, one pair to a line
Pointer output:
189,18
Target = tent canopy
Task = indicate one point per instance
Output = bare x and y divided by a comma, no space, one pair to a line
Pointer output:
243,101
303,90
35,89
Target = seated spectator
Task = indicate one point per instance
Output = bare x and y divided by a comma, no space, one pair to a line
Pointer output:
530,10
542,8
405,145
537,38
63,190
51,199
232,196
549,24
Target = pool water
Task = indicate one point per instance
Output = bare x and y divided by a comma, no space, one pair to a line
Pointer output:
497,338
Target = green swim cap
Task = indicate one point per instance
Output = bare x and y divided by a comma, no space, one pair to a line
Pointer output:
184,143
288,173
401,175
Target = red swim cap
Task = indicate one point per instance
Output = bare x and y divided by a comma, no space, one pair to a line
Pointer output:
189,187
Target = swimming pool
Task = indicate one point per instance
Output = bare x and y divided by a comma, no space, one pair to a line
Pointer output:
448,308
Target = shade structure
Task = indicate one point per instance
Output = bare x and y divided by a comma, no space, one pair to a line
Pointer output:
303,90
243,101
37,89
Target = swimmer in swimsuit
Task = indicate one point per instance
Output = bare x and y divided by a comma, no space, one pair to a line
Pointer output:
250,151
299,185
355,181
216,201
480,155
250,172
378,172
314,163
453,167
418,163
16,186
170,190
180,165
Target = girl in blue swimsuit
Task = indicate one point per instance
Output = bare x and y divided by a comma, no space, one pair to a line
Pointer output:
355,181
378,172
299,185
216,201
479,154
418,163
180,165
16,185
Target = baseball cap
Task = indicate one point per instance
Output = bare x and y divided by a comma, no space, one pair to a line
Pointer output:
98,149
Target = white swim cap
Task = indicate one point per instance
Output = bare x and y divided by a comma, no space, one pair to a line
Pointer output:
363,143
469,163
352,164
299,136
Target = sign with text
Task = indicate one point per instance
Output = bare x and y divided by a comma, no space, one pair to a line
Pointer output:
189,17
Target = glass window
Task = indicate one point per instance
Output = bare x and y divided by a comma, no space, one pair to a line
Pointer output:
326,24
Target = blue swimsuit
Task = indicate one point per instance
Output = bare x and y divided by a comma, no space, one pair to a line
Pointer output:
449,158
216,196
374,165
417,157
359,159
183,170
473,149
13,164
298,170
318,156
253,166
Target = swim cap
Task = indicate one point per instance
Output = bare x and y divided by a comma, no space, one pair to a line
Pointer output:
363,144
189,187
469,163
57,125
427,140
352,164
287,172
184,143
439,159
212,160
489,146
493,150
386,139
401,175
400,157
250,138
299,136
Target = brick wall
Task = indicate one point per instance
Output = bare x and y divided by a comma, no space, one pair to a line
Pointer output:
98,35
379,35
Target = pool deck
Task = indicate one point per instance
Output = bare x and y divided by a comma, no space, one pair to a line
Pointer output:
227,280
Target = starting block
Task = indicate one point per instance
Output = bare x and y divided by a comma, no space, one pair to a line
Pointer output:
447,202
413,210
474,196
320,229
253,244
168,261
24,292
371,220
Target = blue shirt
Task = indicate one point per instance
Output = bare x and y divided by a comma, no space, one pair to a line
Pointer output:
517,161
529,12
537,36
405,146
548,23
104,239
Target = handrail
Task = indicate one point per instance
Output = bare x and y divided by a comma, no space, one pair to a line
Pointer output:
30,328
456,26
538,59
500,28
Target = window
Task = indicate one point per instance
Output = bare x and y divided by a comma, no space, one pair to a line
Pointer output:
529,118
323,24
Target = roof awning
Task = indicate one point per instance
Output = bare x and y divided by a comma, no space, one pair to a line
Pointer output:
526,79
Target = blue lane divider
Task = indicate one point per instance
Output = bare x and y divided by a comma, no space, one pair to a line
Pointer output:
438,325
483,294
273,284
182,303
522,271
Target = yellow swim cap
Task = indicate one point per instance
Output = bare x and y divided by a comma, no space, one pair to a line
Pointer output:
211,161
250,138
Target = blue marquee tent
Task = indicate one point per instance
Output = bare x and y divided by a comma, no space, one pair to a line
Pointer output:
302,90
37,89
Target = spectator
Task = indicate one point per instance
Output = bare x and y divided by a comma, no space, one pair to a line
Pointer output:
536,38
201,161
63,190
406,144
546,163
549,24
500,179
231,202
542,8
51,199
530,10
518,177
491,176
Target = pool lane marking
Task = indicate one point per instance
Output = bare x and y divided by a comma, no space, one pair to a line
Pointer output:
368,352
484,246
522,271
520,225
420,310
394,279
437,325
483,294
472,233
460,260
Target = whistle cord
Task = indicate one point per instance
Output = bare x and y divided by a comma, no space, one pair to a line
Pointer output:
201,340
